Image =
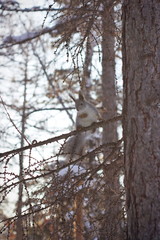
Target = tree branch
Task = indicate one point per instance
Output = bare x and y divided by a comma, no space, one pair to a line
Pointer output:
57,138
91,172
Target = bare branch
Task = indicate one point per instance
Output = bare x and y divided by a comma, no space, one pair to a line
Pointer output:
92,172
57,138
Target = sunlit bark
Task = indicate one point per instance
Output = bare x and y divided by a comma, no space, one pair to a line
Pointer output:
141,47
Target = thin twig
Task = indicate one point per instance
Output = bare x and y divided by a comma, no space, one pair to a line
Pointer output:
22,135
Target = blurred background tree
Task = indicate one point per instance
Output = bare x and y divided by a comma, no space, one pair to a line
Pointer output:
49,51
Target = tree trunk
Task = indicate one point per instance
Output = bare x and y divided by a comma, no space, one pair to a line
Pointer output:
141,123
111,227
108,74
86,79
19,223
79,221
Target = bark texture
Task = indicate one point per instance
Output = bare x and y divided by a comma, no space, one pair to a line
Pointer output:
111,227
141,69
108,74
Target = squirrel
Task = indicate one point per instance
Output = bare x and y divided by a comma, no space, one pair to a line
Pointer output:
87,113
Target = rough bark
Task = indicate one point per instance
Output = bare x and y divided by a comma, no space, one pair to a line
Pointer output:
141,69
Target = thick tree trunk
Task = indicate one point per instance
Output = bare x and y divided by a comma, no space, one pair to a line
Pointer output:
141,57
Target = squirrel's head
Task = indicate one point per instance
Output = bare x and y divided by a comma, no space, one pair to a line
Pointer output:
80,103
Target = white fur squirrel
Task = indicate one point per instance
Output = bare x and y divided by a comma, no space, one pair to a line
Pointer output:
86,112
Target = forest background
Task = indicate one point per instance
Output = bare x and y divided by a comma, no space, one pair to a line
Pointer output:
49,50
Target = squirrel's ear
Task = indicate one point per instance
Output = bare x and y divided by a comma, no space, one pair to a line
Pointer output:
72,97
81,97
